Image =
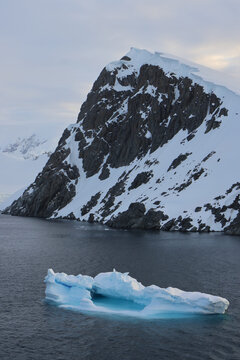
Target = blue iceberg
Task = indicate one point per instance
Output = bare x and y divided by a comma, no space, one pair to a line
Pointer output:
118,293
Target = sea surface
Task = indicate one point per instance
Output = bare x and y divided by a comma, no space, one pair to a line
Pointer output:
32,329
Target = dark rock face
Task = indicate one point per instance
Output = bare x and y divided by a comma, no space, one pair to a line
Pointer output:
185,224
219,212
109,199
136,217
168,226
104,173
234,227
140,179
176,162
122,133
179,224
209,155
90,204
127,58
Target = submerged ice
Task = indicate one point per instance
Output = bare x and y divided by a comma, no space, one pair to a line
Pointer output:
118,293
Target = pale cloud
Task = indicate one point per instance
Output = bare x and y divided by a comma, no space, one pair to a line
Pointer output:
53,50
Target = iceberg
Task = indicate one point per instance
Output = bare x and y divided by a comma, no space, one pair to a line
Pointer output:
118,293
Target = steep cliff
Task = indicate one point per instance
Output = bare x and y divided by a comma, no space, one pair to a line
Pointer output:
155,146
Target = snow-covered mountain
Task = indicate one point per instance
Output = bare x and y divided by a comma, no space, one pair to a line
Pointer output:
21,160
28,148
155,146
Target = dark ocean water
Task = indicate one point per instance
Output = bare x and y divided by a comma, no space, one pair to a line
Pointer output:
32,329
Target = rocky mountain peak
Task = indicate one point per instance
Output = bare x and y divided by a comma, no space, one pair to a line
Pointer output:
145,145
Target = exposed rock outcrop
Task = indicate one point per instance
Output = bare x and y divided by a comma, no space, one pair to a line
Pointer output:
136,217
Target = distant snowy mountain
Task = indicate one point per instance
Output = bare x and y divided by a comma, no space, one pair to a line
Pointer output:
4,197
155,146
21,160
27,148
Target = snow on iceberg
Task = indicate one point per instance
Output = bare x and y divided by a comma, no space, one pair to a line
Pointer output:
118,293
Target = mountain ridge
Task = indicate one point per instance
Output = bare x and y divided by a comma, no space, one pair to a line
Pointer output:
146,151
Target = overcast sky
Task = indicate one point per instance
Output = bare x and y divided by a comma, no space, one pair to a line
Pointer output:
53,50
